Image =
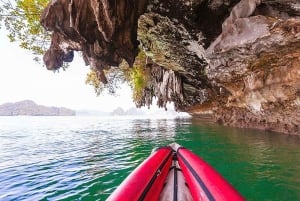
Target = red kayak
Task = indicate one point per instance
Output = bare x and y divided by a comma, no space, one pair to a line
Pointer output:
174,173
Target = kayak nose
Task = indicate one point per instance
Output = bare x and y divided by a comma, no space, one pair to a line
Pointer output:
174,146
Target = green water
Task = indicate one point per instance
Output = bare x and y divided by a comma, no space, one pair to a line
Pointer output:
86,158
261,165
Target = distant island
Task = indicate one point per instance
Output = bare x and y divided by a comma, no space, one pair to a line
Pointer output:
121,112
30,108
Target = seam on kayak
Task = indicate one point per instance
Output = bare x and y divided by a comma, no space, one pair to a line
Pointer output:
157,172
175,180
197,177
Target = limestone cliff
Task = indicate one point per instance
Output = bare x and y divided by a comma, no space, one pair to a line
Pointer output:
238,60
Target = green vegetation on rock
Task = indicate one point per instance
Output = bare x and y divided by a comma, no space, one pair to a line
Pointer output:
137,77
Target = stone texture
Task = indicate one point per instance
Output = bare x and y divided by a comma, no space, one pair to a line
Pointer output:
170,46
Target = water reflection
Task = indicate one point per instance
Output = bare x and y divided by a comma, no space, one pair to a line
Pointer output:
113,149
89,157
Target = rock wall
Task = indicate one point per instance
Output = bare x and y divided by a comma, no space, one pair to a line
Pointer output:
262,73
237,60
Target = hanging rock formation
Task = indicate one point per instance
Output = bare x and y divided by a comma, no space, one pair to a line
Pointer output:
104,31
238,60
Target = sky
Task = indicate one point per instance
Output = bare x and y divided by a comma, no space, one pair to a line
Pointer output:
21,78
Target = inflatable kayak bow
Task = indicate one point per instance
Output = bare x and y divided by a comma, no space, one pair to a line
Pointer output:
174,173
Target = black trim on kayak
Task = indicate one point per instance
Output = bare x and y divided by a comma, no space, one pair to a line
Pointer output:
175,157
174,167
197,177
175,184
157,172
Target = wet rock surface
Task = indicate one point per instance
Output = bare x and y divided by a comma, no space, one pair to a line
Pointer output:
237,60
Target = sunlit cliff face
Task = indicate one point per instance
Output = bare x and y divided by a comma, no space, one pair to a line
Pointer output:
235,60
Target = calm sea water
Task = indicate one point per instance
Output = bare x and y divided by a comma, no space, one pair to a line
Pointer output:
86,158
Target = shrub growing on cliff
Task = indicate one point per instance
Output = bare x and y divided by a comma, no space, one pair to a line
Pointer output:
115,79
137,77
21,18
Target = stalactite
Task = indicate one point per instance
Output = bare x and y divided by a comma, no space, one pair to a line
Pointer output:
105,31
165,85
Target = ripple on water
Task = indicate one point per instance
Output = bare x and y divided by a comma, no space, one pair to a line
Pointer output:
87,158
